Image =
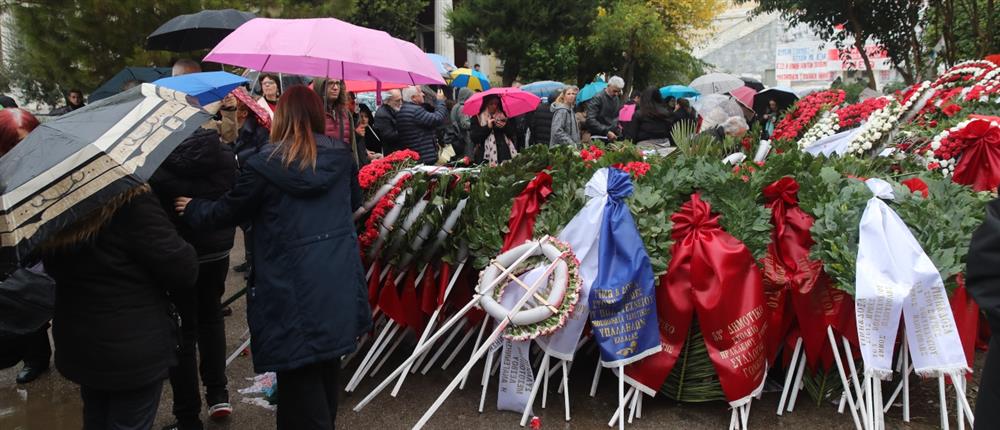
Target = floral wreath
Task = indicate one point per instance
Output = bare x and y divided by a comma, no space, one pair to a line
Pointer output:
882,121
570,282
385,204
946,148
376,173
804,112
962,73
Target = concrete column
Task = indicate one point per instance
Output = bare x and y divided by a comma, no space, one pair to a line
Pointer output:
443,43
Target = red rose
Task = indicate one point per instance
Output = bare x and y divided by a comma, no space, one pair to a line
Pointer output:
916,185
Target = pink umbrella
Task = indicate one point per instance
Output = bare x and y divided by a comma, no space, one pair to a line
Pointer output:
324,47
744,95
627,112
514,101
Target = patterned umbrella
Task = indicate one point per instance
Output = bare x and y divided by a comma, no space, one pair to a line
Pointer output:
469,78
73,165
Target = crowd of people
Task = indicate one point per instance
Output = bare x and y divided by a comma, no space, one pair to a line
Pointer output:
139,283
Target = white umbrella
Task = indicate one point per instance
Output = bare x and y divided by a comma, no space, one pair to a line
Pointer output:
716,109
716,83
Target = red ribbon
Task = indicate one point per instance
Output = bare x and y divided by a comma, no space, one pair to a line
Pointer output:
979,165
429,290
713,276
388,299
373,284
412,315
793,281
444,278
966,313
525,210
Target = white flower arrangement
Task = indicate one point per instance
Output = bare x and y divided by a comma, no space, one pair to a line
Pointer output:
881,122
978,69
828,125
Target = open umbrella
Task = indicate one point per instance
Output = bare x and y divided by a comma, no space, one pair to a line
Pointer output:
207,87
443,64
678,91
784,97
139,74
325,47
590,90
514,101
543,88
744,95
716,83
72,165
626,113
716,109
470,79
752,83
196,31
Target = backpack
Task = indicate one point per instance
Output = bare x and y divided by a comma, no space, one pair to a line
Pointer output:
458,139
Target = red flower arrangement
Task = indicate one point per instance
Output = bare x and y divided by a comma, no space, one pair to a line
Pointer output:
593,154
637,169
852,115
805,112
372,175
368,237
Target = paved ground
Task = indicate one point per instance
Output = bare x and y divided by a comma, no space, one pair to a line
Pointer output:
52,403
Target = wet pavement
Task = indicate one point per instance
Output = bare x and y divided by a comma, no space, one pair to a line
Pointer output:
53,403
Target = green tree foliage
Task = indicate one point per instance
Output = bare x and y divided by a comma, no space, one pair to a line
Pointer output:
396,17
961,29
509,28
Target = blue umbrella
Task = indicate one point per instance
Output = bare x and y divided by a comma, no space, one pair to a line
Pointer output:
590,90
678,91
443,64
543,88
207,87
139,74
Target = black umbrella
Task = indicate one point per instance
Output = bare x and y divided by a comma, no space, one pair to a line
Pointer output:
73,165
196,31
139,74
752,83
783,97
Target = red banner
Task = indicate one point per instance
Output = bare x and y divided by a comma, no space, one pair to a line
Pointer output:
712,276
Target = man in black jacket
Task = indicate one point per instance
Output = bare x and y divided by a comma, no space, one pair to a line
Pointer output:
204,167
602,111
384,123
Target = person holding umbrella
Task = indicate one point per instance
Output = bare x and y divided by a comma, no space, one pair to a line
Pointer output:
339,118
491,134
299,193
651,124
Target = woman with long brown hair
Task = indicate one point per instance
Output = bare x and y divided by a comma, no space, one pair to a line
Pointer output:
340,122
307,303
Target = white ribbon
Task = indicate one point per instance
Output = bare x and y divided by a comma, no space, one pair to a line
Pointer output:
516,377
895,276
583,236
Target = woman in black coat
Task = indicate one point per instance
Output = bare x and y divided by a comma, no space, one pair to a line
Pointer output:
114,330
308,302
491,133
651,125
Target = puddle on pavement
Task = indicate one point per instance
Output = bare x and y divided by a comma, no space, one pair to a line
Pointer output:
46,404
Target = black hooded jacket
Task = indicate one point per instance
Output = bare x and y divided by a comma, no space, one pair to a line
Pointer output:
201,166
113,326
